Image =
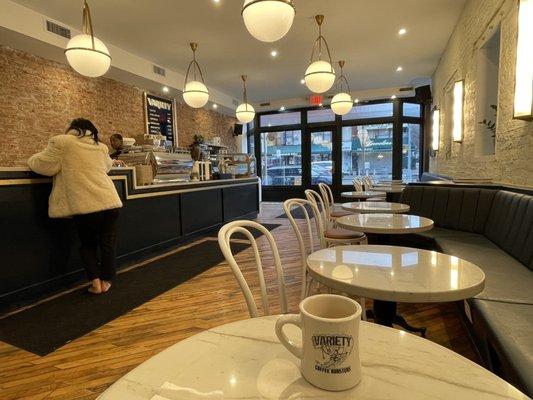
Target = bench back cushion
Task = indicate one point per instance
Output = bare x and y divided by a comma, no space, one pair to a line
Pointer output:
510,225
459,208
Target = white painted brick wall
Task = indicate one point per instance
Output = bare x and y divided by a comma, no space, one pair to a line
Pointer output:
513,161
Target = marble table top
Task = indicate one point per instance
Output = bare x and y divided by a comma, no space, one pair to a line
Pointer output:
385,223
361,195
244,360
395,273
389,189
376,207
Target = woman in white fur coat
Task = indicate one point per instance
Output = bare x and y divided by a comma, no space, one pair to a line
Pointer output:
79,164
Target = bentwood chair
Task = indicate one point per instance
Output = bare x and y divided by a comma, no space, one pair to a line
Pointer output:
306,247
329,203
357,184
331,236
224,241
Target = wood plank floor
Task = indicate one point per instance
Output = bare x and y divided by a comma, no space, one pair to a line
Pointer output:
87,366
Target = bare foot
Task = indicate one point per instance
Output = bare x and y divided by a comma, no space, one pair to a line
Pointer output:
96,287
106,285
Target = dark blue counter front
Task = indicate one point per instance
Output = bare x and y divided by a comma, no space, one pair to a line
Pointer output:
39,255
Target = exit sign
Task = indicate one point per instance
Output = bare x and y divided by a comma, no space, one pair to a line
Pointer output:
316,99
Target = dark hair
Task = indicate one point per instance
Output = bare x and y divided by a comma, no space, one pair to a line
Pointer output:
83,125
117,136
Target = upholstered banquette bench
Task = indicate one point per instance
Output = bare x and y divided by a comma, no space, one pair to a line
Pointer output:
492,228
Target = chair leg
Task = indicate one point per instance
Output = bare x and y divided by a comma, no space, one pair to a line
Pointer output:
309,280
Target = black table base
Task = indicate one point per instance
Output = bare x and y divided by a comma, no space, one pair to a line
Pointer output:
386,313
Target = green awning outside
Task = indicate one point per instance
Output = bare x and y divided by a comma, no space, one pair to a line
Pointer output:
295,149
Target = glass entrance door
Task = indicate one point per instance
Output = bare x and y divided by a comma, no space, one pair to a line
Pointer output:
321,155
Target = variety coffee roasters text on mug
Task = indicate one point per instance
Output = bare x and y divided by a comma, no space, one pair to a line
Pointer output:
333,350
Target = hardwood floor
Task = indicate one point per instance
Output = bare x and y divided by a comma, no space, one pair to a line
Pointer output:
86,367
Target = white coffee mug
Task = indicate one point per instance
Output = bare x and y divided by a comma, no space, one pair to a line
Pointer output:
330,340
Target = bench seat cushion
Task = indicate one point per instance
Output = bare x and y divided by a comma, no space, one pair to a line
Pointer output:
510,329
506,278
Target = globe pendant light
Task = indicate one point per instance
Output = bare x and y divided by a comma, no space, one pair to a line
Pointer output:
320,75
195,92
268,20
342,102
85,53
245,112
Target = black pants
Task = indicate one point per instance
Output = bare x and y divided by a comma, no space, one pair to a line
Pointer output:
98,231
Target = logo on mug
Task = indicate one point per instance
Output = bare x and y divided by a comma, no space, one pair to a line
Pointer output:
334,350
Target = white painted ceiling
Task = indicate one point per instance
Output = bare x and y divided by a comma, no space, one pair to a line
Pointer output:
362,32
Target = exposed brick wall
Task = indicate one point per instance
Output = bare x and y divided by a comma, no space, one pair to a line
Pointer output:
512,162
39,97
207,123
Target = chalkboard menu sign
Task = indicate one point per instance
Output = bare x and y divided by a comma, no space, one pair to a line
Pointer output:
159,116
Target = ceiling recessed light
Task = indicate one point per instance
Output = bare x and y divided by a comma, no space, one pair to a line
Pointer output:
302,81
216,1
393,97
282,108
215,106
165,89
274,53
402,31
399,68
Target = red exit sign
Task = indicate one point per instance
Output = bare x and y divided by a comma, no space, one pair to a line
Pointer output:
316,99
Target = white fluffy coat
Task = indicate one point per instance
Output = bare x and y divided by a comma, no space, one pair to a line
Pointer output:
79,167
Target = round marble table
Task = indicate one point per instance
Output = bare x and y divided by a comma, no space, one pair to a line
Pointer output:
385,223
396,273
376,207
361,195
244,360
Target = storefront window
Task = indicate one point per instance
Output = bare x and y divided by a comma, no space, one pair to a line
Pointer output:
361,111
411,152
281,158
366,150
320,115
285,118
411,110
321,157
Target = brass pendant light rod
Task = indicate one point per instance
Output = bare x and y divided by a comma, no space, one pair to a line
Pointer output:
244,93
318,42
194,64
342,77
87,23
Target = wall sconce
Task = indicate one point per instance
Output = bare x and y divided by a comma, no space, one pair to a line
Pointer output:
458,102
523,96
435,130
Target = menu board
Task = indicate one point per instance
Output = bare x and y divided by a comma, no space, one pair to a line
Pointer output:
159,116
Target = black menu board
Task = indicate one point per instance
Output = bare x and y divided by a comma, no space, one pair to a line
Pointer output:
159,116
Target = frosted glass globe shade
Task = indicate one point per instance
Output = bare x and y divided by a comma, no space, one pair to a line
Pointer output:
319,76
268,20
245,113
196,94
341,103
84,59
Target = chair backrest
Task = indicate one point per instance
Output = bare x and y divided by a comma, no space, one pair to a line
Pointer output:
309,247
320,215
327,197
224,241
368,182
357,184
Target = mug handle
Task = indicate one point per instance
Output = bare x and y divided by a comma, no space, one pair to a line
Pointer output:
293,319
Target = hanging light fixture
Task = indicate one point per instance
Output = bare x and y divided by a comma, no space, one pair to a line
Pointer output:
342,102
195,92
268,20
320,75
245,112
87,54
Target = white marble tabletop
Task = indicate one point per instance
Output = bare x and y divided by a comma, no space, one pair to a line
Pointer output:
385,223
244,360
395,273
389,188
361,195
376,207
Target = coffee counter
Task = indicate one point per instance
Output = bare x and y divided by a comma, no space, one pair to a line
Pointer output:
39,254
